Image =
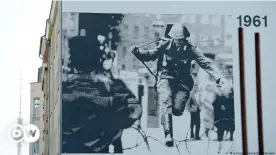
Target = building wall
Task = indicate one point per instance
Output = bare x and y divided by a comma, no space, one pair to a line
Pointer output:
137,29
51,80
44,119
42,73
36,93
54,83
46,113
44,106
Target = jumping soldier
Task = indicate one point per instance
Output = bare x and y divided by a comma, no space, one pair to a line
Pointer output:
174,80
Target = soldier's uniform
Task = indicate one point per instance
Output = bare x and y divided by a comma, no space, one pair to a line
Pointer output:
174,79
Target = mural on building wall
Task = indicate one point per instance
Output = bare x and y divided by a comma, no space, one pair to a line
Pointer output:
140,82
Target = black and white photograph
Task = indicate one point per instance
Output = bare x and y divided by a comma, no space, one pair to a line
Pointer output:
137,83
84,77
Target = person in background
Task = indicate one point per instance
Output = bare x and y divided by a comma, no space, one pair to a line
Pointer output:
194,106
224,115
194,109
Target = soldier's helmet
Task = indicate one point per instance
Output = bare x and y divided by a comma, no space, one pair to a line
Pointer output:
179,31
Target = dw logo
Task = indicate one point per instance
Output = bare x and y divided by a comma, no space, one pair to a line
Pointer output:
29,133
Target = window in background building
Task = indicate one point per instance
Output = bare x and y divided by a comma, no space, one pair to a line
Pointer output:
123,67
124,51
36,147
146,31
136,32
36,105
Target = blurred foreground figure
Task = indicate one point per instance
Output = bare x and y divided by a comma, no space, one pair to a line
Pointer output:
174,56
96,106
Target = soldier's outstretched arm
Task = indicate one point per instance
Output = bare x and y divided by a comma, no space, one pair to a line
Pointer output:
147,55
205,63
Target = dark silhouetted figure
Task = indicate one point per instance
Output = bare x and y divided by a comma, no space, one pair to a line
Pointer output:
195,120
224,116
96,107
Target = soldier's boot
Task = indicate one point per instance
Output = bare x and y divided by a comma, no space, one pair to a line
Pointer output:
168,130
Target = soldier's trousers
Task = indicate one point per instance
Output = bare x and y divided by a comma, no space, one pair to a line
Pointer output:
173,95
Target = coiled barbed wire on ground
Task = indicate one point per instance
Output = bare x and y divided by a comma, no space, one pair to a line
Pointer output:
178,142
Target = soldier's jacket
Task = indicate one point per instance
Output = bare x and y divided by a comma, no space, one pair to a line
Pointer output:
173,62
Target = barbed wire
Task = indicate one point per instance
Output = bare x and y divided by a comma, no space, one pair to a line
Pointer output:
179,142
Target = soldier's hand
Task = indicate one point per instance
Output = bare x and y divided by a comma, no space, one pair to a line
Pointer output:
135,50
189,40
220,82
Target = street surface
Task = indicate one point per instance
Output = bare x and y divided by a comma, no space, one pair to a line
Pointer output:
181,125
